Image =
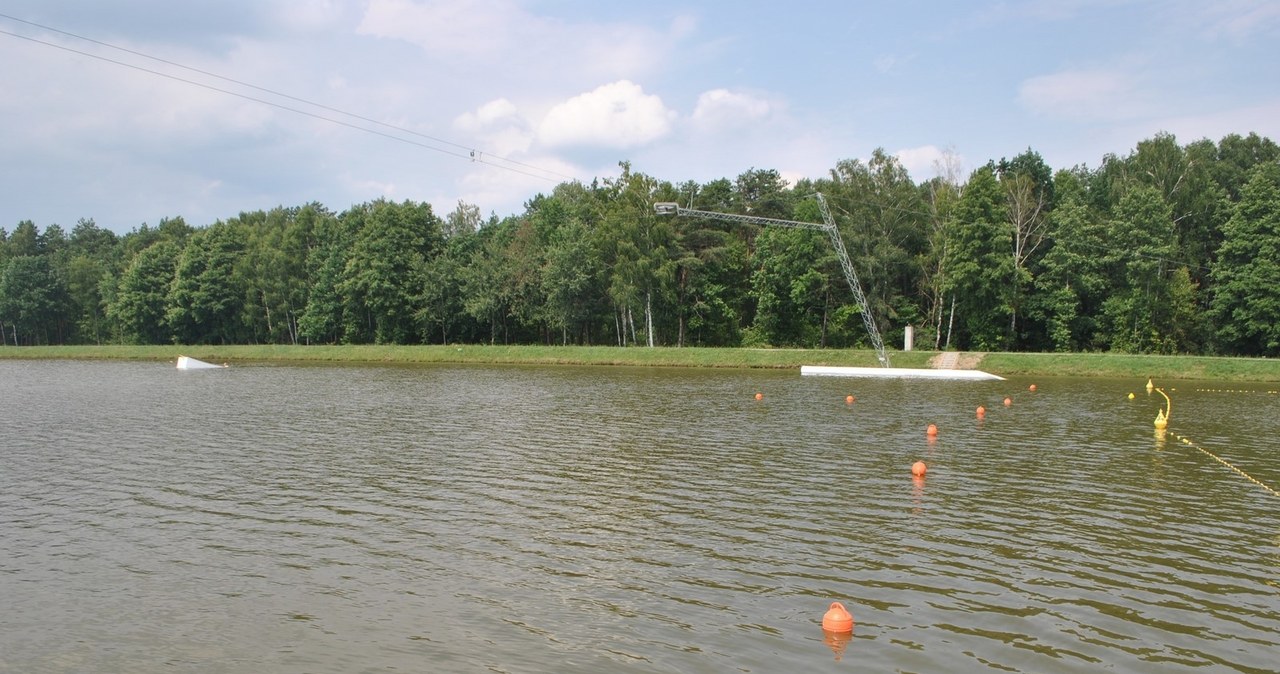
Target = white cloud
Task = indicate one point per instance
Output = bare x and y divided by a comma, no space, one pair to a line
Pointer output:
498,111
1263,119
132,112
1083,95
460,27
499,127
308,15
1049,10
486,185
616,115
1239,19
684,25
929,161
504,34
518,79
374,187
721,107
792,177
920,161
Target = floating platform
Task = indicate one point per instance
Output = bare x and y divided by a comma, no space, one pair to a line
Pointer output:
188,363
897,373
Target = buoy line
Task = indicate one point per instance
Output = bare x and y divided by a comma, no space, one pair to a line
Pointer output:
1162,420
1187,441
1231,390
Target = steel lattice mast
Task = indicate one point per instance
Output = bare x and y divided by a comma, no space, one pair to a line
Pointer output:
833,233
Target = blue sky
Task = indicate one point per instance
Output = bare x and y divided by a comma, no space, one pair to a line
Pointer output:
552,90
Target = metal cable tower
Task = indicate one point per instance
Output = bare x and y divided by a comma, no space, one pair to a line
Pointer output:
833,233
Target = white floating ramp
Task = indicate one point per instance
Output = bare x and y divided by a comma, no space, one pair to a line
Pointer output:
187,363
897,373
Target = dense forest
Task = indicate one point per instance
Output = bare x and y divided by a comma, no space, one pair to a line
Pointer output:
1170,249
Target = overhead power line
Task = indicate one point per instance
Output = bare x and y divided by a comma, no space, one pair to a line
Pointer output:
459,150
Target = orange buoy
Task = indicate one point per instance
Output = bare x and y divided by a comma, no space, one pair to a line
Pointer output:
849,399
1031,387
931,430
918,468
982,411
837,619
1007,402
759,396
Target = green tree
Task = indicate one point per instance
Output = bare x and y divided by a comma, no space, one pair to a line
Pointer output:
761,192
726,305
85,278
978,271
23,240
1028,188
570,279
486,282
442,310
522,259
793,295
883,220
273,269
1246,275
1236,156
303,237
323,317
711,270
1183,178
87,262
139,306
939,196
638,251
32,300
1137,311
383,276
1187,328
1073,279
463,220
205,300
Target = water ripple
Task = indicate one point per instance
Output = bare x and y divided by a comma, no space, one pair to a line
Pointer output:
318,519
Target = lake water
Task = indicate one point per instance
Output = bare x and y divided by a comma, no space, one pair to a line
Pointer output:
271,518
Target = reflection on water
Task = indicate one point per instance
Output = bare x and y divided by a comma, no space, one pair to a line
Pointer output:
474,519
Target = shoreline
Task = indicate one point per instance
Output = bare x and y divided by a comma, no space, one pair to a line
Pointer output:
1232,369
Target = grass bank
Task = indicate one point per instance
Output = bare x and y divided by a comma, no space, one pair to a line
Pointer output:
1004,364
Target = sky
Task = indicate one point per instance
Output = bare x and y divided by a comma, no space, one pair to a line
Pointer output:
131,111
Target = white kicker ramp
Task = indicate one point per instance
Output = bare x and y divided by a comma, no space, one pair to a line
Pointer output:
186,363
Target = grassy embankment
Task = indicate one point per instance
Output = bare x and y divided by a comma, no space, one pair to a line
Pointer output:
1004,364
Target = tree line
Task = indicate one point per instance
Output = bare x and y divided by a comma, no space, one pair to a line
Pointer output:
1169,249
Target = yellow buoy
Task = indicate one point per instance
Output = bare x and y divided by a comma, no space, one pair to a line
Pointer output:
1162,416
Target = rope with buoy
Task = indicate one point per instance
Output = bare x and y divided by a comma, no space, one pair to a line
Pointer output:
1228,464
1162,421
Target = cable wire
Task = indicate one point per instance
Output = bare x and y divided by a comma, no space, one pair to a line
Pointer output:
472,154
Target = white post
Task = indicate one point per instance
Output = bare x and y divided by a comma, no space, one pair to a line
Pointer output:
908,338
